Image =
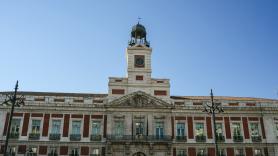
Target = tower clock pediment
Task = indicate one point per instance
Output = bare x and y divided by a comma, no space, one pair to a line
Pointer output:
139,99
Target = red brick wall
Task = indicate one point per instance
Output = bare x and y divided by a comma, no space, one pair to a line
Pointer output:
160,92
248,151
25,124
191,151
105,126
139,77
262,127
230,151
86,126
227,127
64,150
37,115
84,150
96,116
43,150
174,151
66,125
209,127
211,151
57,115
80,116
21,149
245,127
190,128
45,125
173,127
118,91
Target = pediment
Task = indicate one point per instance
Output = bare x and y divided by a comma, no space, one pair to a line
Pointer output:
139,99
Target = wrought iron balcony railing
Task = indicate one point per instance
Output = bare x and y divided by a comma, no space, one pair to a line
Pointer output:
14,135
200,138
181,138
256,138
95,137
34,136
52,154
53,136
220,138
238,138
140,138
75,137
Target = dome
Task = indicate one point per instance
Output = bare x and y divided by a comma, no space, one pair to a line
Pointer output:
138,31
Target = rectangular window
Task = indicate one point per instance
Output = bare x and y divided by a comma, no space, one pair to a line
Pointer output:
201,152
32,151
276,128
199,129
180,129
181,152
119,128
236,129
254,127
239,151
74,152
52,151
219,129
96,128
15,126
76,126
56,125
36,124
159,129
258,152
96,152
139,128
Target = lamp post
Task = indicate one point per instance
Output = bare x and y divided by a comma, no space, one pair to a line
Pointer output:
14,101
213,109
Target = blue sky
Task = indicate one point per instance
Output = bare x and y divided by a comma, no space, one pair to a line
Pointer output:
74,46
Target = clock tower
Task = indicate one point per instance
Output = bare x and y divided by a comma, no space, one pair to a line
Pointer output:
139,78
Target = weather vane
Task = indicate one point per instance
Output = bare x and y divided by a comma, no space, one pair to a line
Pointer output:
139,18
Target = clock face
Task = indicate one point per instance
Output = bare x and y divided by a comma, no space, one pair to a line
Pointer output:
139,60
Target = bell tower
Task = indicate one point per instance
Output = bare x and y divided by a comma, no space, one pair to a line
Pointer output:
138,54
139,70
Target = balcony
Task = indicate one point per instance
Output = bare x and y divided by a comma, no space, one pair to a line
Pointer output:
220,138
256,138
54,136
200,138
34,136
75,137
52,154
139,138
14,135
95,138
181,138
201,154
238,138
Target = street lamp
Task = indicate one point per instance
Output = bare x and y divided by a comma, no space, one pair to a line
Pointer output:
14,101
213,109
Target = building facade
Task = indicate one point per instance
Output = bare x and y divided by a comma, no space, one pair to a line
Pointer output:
138,117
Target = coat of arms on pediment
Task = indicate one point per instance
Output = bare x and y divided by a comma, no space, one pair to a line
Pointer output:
139,99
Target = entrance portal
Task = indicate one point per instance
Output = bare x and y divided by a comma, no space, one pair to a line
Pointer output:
139,154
